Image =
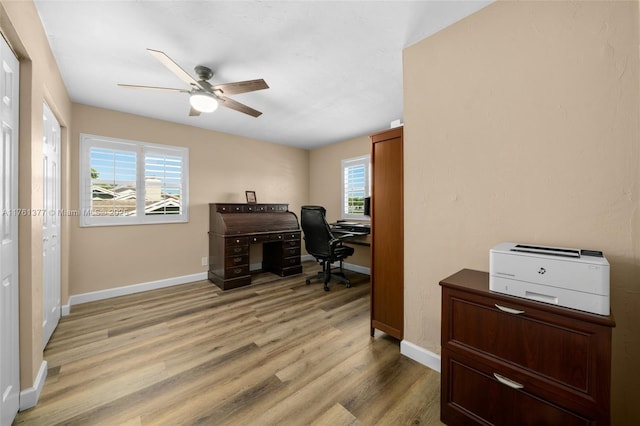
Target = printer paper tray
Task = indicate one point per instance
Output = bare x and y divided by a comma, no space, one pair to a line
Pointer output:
597,304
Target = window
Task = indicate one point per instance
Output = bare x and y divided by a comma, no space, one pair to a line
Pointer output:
126,182
355,187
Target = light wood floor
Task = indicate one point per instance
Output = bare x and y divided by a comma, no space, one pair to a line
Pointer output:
277,352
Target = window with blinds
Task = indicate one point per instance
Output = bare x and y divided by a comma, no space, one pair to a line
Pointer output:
355,186
128,182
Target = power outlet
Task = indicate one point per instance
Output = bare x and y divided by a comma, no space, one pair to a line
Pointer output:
205,261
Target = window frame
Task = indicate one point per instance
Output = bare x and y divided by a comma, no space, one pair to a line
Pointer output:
364,160
88,141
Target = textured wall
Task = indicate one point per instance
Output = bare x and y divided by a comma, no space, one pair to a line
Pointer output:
521,124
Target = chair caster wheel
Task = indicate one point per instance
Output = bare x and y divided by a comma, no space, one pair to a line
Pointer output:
326,288
348,285
307,281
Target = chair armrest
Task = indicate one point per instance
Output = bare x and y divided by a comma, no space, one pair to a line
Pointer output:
338,240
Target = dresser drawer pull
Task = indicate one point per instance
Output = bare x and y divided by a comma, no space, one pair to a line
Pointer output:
507,382
509,310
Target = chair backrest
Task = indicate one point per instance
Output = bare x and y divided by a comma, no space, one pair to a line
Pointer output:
317,232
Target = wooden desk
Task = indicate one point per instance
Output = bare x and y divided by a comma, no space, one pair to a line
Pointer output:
360,234
360,240
234,227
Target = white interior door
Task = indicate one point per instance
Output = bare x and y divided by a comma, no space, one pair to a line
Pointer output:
9,330
50,224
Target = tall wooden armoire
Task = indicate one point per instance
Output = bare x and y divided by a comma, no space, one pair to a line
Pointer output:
387,238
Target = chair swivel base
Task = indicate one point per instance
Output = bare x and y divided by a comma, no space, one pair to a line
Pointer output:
327,276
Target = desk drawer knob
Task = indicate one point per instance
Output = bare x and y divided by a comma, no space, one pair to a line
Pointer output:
237,249
237,259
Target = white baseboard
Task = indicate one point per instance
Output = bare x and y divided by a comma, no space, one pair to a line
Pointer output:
357,268
347,266
29,397
78,299
421,355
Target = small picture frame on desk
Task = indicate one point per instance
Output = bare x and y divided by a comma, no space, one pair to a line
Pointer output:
251,197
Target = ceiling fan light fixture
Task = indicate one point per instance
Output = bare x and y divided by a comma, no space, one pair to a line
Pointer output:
203,101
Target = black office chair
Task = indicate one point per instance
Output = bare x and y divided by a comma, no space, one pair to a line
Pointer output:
321,244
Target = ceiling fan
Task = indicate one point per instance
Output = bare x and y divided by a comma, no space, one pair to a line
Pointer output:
204,97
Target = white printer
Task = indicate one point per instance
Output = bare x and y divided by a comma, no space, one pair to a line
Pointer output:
573,278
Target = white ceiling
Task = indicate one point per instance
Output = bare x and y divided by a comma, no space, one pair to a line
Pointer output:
334,67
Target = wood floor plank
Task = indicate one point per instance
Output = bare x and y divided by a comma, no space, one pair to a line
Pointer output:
277,352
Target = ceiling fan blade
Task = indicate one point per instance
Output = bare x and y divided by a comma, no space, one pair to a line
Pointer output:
241,86
230,103
164,89
173,67
194,112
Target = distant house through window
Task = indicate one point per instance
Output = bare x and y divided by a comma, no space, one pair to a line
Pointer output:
355,186
126,182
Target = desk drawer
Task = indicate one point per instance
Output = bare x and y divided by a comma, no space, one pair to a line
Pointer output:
233,261
231,208
236,271
290,261
292,235
291,251
266,238
236,241
291,244
237,250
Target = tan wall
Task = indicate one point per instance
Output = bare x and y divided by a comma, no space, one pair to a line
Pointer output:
221,168
40,80
325,168
521,124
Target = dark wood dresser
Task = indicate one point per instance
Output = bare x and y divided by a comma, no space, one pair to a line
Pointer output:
234,227
511,361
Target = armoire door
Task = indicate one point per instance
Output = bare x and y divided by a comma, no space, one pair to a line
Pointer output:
387,233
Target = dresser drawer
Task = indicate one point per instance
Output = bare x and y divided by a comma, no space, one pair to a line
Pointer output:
542,343
477,394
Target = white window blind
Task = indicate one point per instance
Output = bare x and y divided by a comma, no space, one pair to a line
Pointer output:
355,186
128,182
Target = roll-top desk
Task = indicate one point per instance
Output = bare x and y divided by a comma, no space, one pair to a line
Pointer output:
234,227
